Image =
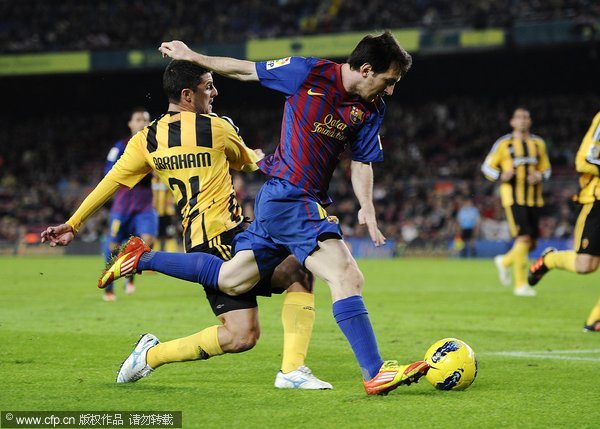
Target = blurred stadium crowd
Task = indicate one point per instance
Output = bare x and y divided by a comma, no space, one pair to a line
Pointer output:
433,153
434,145
38,25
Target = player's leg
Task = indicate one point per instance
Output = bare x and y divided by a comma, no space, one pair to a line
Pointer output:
144,225
584,259
239,332
298,319
298,312
149,353
505,262
522,223
520,263
288,216
237,275
335,265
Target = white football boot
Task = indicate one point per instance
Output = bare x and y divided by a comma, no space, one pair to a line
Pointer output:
503,272
136,366
524,290
302,378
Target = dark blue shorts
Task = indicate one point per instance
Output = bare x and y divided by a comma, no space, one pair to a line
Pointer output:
288,220
124,225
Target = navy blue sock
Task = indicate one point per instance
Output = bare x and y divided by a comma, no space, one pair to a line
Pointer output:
194,267
353,319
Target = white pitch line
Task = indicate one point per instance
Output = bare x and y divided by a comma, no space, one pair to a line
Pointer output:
553,351
556,354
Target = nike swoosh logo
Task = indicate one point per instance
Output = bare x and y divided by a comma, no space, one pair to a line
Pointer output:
311,92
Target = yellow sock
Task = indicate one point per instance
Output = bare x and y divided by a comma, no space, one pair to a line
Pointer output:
564,260
594,315
201,345
298,317
520,263
508,258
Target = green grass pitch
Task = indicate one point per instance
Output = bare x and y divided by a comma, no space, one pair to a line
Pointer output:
61,346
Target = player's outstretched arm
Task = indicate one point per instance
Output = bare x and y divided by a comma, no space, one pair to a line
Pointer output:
59,235
362,183
225,66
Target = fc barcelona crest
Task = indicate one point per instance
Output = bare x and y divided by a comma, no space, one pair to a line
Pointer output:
356,115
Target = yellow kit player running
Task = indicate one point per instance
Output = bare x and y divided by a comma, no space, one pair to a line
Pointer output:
586,256
520,162
191,151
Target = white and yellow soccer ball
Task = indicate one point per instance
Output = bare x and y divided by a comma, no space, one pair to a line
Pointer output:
453,365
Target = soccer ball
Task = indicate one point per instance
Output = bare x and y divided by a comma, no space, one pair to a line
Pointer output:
453,365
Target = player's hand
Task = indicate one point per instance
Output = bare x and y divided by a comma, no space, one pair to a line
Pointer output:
176,50
60,235
534,177
259,153
507,175
367,217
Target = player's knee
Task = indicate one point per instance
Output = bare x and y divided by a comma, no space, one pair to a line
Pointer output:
292,277
356,278
350,278
244,339
587,267
303,278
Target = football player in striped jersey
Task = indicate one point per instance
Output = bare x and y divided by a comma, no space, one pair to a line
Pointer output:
585,258
191,150
520,162
329,107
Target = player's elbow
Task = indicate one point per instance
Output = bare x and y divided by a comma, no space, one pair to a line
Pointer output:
245,77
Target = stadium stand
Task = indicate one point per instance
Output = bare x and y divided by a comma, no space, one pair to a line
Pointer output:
433,152
73,25
440,123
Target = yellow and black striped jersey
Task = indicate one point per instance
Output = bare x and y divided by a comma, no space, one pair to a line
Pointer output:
587,162
191,154
162,198
522,156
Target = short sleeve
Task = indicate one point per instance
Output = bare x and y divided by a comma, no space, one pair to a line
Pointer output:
285,75
367,146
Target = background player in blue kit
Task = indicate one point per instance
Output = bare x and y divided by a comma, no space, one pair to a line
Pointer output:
132,211
328,107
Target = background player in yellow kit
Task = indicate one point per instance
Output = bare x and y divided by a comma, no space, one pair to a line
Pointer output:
520,162
585,258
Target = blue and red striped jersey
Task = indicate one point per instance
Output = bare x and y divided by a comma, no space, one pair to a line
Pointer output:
129,201
320,120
